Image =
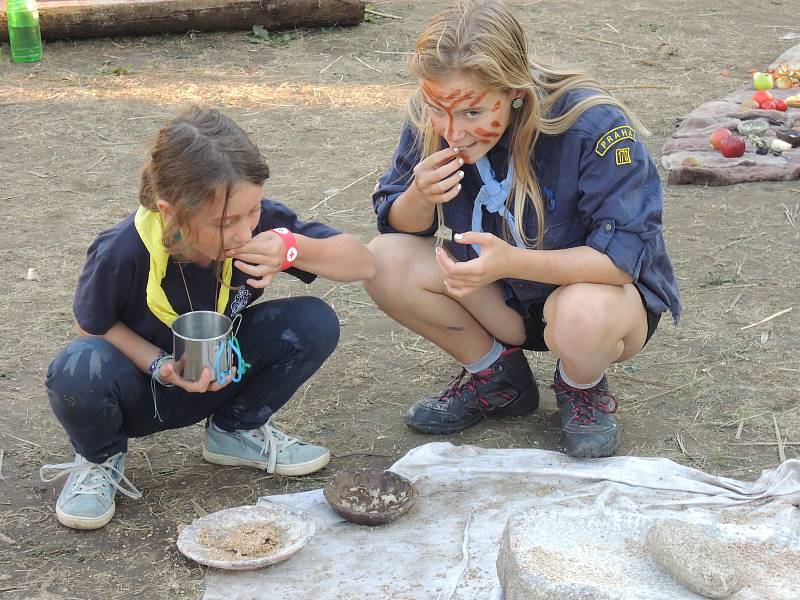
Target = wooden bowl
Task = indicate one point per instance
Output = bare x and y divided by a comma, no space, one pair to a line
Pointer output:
370,496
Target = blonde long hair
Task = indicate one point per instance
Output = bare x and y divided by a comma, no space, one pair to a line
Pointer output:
482,39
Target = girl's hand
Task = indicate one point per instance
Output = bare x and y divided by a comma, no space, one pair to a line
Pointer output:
437,179
462,278
261,257
168,374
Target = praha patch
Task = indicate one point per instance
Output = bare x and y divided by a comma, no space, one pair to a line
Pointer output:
618,134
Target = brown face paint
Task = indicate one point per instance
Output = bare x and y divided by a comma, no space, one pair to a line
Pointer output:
495,123
448,103
483,133
496,106
478,99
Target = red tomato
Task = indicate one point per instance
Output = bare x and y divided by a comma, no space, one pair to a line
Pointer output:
768,105
780,104
761,96
732,147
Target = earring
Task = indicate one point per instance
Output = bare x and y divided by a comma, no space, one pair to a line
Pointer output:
516,102
177,236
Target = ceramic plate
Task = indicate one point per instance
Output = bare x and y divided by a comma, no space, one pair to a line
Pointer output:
294,527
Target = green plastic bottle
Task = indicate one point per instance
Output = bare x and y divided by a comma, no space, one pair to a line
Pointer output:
24,34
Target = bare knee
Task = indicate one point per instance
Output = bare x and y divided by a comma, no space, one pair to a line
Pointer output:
395,264
577,320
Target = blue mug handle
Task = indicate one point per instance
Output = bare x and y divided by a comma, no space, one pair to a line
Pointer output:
233,344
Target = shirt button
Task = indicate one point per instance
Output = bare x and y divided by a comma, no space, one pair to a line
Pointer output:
607,226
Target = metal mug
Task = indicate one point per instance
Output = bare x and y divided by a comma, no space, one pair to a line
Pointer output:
202,339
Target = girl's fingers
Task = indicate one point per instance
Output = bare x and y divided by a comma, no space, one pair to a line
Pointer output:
257,258
446,197
442,157
257,270
447,169
261,282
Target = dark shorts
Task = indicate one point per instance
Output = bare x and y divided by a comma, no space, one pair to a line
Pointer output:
534,324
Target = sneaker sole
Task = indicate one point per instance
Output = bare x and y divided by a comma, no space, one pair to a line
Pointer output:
293,470
85,523
602,452
518,408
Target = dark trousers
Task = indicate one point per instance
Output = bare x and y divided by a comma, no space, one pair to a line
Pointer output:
101,398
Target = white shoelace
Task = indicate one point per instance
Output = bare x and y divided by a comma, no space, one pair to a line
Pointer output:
91,477
273,441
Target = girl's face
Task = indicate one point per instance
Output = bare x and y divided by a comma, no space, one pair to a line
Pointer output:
467,115
244,210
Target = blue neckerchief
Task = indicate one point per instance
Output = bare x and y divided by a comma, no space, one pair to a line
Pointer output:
493,196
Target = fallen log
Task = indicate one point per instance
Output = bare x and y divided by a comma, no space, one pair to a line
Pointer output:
99,18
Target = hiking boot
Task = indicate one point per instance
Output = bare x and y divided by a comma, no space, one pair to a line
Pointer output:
505,389
87,500
589,430
264,448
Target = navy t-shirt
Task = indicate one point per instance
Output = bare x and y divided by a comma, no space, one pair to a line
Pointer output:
600,189
112,286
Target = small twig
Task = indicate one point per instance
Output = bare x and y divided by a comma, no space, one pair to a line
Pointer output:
781,453
366,65
359,302
794,190
602,41
201,512
769,318
391,52
685,385
679,441
149,464
329,292
735,301
378,13
20,439
784,443
330,65
643,86
336,456
739,430
729,244
351,184
1,463
404,347
41,175
97,163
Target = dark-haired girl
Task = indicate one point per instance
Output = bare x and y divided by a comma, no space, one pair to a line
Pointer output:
204,238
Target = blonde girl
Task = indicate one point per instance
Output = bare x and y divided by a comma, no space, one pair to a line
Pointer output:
555,208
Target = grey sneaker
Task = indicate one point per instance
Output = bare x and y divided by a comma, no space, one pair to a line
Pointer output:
587,424
87,500
264,448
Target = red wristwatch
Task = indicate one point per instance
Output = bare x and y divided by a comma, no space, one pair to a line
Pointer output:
289,246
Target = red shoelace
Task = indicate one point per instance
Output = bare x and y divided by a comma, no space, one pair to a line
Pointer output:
584,403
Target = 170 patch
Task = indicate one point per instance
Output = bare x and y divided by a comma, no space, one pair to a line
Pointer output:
618,134
623,156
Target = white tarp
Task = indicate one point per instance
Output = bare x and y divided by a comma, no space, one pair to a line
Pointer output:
447,545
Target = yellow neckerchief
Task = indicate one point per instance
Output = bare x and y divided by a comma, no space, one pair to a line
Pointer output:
150,227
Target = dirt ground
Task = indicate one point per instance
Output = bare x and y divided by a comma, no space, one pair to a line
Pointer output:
325,108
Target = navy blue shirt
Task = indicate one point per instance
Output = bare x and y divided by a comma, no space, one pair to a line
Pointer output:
112,286
600,189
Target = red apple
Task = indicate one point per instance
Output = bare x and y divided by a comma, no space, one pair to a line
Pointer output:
732,147
761,96
768,105
718,135
780,104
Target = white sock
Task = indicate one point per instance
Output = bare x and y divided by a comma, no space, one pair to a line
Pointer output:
579,386
487,361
